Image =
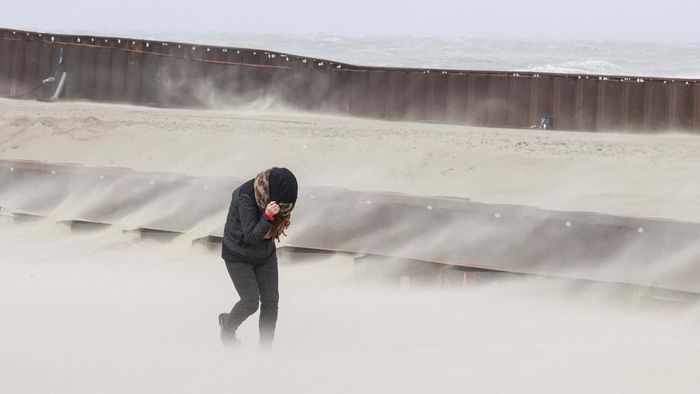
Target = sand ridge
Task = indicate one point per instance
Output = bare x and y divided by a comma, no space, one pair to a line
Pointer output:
626,174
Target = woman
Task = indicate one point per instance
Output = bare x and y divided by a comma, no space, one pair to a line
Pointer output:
260,212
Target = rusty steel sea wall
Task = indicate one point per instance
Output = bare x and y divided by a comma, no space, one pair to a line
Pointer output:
172,74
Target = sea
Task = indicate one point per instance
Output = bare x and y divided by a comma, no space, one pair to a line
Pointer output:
667,59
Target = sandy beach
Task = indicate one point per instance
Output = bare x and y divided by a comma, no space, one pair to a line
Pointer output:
625,174
102,312
416,260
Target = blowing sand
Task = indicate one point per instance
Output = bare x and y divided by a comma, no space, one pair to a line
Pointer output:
99,313
625,174
102,313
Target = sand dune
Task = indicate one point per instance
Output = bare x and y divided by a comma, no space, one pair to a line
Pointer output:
626,174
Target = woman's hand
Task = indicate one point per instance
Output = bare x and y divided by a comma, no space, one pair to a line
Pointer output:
272,208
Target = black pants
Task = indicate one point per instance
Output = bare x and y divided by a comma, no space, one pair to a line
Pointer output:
256,284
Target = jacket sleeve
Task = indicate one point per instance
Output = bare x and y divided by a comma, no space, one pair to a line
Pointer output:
254,224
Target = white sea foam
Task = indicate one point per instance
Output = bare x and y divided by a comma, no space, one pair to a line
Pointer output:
592,57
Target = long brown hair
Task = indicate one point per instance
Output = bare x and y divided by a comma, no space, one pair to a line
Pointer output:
283,219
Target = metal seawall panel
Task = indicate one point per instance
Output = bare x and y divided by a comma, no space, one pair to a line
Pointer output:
158,73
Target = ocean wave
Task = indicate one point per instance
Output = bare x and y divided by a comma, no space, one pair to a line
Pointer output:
580,67
584,57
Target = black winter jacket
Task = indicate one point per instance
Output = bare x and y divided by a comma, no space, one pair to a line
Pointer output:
245,229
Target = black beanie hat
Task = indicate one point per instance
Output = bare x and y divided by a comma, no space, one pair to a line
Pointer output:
283,186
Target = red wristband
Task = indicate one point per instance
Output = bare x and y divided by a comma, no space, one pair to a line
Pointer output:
270,217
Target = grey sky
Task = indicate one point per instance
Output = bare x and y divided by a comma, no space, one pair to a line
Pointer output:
640,20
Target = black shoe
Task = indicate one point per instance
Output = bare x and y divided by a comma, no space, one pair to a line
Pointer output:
227,337
265,347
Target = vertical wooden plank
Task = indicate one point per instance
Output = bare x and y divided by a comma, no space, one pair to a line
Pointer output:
358,82
47,66
265,58
689,108
152,82
436,106
342,94
399,93
241,87
72,60
57,51
134,72
218,82
17,65
331,97
681,106
323,89
520,93
302,74
477,104
696,106
250,56
30,75
228,85
175,89
266,75
216,77
264,78
457,90
6,45
88,69
118,65
193,75
302,78
379,95
497,101
541,99
586,104
655,105
564,102
326,91
231,75
281,81
319,89
312,86
632,105
316,91
103,70
417,98
254,79
609,110
236,55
